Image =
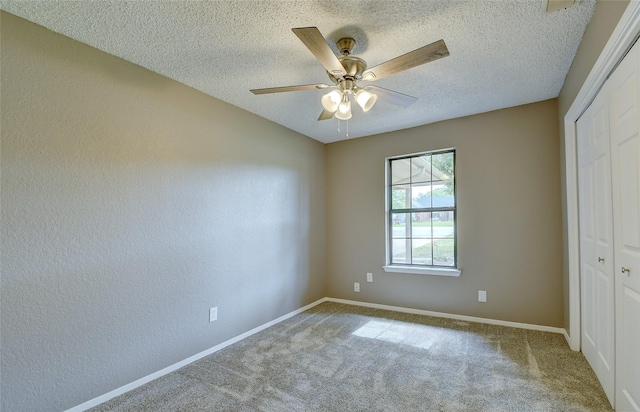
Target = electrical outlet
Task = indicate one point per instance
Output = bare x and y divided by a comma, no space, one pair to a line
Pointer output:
369,277
482,296
356,287
213,314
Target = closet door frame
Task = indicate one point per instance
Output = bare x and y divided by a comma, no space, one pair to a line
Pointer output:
621,40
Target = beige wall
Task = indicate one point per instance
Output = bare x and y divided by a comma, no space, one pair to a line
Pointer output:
130,205
509,224
604,20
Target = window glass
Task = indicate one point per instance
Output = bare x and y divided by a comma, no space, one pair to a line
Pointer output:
442,192
400,196
421,169
400,171
422,210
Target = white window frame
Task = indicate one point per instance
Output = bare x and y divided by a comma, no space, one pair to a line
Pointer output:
414,268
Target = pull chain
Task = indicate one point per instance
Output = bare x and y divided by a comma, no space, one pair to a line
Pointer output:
338,131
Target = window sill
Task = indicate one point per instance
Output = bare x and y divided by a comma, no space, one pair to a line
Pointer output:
416,270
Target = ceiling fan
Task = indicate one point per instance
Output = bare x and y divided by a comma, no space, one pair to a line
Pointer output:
347,71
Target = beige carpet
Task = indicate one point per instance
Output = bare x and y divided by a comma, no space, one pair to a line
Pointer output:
338,357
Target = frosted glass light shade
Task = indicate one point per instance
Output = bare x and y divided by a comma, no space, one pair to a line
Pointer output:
344,109
330,101
365,99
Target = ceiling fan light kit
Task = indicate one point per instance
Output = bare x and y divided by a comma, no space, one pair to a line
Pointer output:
365,99
344,108
347,70
331,100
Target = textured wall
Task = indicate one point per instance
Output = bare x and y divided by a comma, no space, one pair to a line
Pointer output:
509,225
130,205
604,20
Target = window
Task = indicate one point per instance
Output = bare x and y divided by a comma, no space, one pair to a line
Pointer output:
421,213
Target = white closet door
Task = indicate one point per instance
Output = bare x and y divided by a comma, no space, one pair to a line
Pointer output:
596,242
625,155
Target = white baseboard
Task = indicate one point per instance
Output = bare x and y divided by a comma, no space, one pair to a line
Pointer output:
133,385
567,337
450,316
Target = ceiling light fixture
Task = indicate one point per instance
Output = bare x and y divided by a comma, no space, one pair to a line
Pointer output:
338,101
344,108
365,99
330,101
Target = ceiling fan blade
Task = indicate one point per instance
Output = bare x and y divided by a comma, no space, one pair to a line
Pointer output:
426,54
389,96
325,115
316,43
289,88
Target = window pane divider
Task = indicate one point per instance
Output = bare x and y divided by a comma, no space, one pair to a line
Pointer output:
416,210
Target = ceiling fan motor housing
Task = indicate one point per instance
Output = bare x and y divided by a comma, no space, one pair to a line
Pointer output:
353,65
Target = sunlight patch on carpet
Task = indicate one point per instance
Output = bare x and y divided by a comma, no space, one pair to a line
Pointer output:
419,336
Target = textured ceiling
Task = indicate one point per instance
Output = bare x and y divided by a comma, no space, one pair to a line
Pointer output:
503,52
